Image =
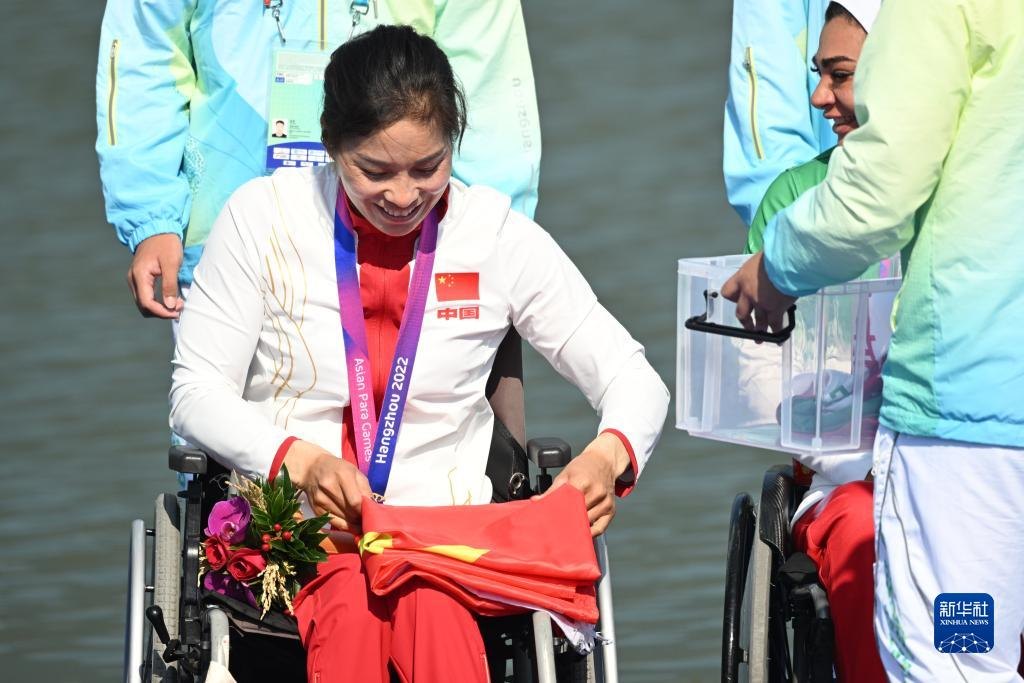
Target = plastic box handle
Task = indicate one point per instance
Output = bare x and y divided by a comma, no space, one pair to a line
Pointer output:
699,323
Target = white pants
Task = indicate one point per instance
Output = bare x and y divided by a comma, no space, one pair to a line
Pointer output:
949,518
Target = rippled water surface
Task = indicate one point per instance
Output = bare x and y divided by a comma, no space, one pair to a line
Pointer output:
631,96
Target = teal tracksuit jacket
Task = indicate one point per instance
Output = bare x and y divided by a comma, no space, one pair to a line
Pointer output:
770,125
181,94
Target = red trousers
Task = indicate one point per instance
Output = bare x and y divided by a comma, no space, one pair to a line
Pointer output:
838,533
350,634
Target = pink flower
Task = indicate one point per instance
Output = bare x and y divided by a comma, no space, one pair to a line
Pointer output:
217,552
246,564
220,582
229,520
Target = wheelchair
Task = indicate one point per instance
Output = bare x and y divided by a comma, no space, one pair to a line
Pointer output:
776,625
176,631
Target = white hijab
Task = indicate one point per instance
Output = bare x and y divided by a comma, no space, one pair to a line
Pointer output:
863,11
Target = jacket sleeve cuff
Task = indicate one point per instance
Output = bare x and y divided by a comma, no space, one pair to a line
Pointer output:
282,450
626,482
134,236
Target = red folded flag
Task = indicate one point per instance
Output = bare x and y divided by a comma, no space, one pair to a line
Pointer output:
495,559
457,286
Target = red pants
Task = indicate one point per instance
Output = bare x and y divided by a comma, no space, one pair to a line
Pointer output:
838,533
350,634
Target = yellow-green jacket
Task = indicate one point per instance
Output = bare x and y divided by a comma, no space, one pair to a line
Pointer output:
935,169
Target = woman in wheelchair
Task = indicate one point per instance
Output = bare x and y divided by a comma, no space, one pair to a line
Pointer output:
379,282
834,524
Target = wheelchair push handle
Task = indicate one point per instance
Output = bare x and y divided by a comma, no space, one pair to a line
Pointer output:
699,323
187,460
549,452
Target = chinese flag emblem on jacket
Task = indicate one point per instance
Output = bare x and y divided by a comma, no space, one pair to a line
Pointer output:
457,286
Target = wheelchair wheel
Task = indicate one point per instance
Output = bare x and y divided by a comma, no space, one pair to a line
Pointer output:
755,637
741,536
166,583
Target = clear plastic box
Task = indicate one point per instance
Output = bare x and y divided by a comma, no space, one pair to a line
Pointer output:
817,392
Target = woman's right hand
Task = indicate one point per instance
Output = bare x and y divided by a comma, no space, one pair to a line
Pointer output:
332,485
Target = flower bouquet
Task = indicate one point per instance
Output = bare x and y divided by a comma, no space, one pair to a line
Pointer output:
258,545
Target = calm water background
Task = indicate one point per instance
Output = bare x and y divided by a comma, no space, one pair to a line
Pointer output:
631,97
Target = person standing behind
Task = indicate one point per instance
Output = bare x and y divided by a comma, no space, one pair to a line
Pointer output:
769,126
834,63
833,524
182,90
934,170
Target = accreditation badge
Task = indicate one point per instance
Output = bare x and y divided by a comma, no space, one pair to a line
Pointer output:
294,104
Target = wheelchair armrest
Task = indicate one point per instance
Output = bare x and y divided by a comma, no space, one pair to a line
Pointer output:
187,460
548,452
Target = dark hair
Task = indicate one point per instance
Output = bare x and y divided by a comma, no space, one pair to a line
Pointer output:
835,9
386,75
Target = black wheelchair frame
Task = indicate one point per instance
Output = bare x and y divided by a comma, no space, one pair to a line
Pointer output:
776,626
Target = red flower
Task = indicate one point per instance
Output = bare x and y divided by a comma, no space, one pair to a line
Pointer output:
246,564
217,552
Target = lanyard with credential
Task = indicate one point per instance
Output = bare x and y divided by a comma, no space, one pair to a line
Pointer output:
375,456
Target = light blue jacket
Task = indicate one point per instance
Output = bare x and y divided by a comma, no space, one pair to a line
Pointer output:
770,125
181,92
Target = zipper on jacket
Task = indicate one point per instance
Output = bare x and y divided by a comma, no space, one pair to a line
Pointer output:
112,93
358,9
275,11
323,24
748,64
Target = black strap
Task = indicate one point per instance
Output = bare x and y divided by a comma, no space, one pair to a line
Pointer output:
507,466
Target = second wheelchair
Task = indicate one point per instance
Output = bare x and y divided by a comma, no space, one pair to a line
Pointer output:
777,625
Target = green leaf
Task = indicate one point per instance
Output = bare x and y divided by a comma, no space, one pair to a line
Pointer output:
309,555
284,480
309,527
261,521
281,504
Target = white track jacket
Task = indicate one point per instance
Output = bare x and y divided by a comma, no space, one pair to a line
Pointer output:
260,353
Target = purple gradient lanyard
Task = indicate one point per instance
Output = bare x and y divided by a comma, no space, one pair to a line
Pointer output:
375,457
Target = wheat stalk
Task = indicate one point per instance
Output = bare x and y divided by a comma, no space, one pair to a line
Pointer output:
250,490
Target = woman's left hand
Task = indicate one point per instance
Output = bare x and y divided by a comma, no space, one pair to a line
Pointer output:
593,472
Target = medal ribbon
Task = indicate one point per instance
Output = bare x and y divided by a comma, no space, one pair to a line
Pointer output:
376,456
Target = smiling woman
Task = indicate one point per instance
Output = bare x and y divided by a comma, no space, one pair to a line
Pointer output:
839,48
426,276
392,134
397,175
